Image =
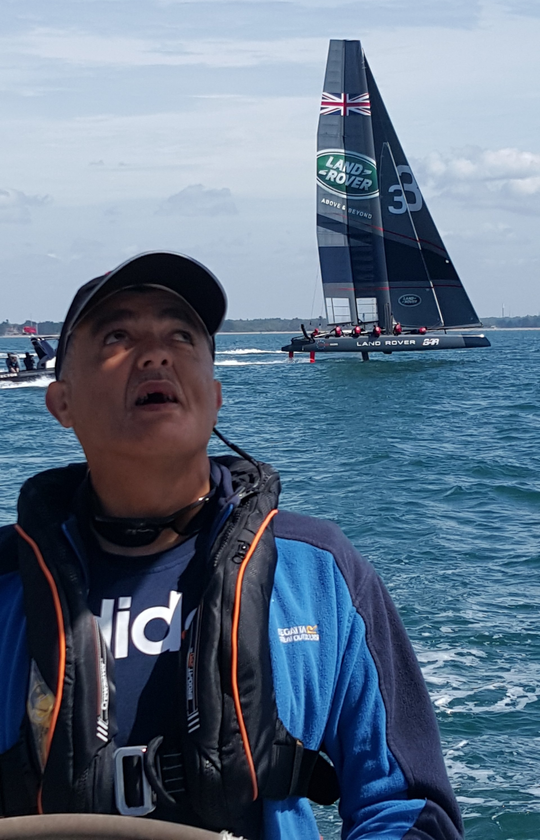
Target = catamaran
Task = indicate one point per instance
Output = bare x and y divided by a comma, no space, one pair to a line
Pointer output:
388,281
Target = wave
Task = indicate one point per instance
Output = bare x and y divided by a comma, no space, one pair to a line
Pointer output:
244,351
238,363
493,698
42,382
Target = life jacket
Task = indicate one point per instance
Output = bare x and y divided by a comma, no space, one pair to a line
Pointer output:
234,748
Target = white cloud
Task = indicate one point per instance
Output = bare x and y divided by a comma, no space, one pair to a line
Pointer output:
197,200
201,94
222,140
488,233
85,48
485,177
15,206
420,13
484,164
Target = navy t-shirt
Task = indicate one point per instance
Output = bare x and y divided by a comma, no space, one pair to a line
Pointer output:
143,604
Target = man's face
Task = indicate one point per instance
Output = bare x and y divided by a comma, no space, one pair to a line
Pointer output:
138,379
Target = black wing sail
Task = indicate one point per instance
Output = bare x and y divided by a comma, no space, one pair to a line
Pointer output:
349,225
402,197
414,303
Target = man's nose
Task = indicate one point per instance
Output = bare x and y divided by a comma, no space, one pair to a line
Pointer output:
154,353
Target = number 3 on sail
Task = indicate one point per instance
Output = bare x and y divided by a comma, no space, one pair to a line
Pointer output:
402,188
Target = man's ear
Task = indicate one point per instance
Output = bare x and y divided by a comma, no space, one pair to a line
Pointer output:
57,402
219,397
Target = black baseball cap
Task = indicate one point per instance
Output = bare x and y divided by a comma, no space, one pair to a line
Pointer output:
187,277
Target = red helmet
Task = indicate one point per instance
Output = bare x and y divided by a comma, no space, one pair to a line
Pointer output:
339,331
422,330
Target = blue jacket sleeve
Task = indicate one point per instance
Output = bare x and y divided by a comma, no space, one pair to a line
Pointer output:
14,663
366,698
382,704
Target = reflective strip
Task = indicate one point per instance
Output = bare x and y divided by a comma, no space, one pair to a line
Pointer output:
234,658
61,644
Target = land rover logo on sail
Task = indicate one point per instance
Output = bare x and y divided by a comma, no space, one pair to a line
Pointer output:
347,174
409,300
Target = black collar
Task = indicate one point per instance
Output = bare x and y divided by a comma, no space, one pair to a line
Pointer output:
140,531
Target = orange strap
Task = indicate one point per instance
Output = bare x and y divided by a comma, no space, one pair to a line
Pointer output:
61,641
234,659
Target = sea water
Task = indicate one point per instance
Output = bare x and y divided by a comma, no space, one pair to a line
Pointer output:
430,462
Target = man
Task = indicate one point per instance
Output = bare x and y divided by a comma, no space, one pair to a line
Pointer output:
12,363
243,641
29,362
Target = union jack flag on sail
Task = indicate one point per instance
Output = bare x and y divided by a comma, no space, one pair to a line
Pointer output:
344,104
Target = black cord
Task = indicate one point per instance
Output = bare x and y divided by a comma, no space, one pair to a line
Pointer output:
234,447
239,451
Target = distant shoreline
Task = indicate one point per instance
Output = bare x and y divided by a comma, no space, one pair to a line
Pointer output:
288,332
270,326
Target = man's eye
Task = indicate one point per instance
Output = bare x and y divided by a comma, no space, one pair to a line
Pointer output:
183,335
115,336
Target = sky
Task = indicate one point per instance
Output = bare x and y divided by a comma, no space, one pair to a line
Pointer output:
135,125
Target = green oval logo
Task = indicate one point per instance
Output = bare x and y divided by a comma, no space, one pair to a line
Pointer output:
347,174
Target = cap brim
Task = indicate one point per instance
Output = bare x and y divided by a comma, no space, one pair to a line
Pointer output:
181,274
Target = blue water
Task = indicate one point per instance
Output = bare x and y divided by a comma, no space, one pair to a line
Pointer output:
431,465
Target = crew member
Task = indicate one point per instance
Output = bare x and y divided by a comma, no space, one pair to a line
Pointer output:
12,363
376,331
243,640
398,329
29,362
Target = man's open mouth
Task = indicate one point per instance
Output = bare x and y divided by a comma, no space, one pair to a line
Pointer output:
154,398
155,393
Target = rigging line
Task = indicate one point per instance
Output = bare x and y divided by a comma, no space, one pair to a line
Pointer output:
315,287
413,227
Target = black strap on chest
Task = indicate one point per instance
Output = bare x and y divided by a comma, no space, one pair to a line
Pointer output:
296,771
19,779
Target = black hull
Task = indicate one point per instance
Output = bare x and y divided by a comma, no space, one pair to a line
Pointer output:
26,375
385,343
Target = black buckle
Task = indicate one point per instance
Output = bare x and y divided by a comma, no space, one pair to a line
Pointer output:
165,773
132,790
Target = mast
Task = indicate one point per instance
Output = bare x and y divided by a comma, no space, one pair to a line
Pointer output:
349,222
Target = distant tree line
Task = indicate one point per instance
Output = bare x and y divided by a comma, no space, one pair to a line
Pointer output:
42,327
519,322
267,324
229,325
270,324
